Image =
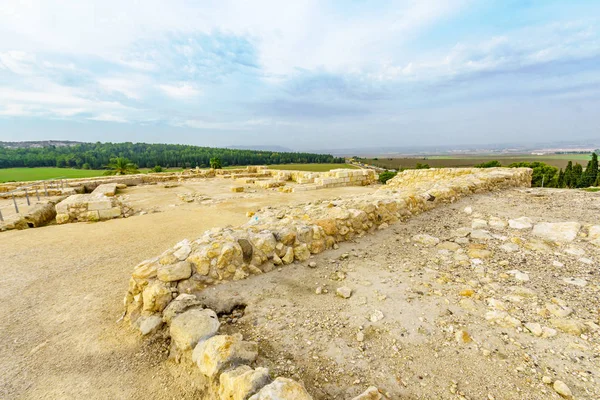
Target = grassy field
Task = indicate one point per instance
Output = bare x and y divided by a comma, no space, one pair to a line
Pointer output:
34,174
310,167
557,160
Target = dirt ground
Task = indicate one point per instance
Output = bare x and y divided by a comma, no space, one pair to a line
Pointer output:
62,287
417,350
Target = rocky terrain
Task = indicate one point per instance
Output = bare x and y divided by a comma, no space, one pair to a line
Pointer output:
453,304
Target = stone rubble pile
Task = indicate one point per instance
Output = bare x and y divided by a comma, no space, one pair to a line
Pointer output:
99,205
274,237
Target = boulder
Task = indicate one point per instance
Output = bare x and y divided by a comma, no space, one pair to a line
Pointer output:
156,296
282,389
223,351
150,324
188,328
182,303
301,252
557,232
242,382
174,272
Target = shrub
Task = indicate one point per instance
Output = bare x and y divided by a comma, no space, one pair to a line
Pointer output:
422,166
386,176
543,174
157,168
489,164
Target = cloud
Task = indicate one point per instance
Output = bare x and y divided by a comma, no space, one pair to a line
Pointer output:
179,91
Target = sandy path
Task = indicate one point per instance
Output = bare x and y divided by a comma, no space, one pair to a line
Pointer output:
61,289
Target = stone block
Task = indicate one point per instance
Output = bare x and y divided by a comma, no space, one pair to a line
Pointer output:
114,212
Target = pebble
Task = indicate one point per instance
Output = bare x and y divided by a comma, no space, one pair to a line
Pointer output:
561,388
344,292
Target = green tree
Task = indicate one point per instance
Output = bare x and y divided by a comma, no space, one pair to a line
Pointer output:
157,168
590,175
215,163
422,166
489,164
577,175
561,179
543,174
121,166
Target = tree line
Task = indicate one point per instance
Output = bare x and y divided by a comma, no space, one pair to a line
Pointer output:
573,176
145,155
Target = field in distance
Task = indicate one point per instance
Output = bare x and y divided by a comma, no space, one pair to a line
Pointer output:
557,160
41,173
311,167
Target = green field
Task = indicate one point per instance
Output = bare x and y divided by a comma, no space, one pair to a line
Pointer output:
557,160
310,167
34,174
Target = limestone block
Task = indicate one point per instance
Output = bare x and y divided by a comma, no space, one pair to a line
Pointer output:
156,296
242,382
99,204
62,218
557,232
111,213
174,272
223,351
282,389
106,189
192,326
301,252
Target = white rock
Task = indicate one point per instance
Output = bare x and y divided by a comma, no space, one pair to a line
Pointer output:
510,247
242,382
574,251
557,264
282,389
534,328
546,379
360,336
594,232
561,388
150,324
376,316
481,234
372,393
223,351
520,223
468,210
520,276
183,252
188,328
497,223
174,272
479,224
344,292
575,281
426,240
586,261
558,231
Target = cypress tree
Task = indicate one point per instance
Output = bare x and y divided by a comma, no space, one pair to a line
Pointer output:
561,179
591,172
577,175
568,179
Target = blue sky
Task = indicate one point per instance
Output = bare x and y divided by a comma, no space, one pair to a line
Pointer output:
302,74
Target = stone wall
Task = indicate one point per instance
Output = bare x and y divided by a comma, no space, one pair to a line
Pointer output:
99,205
282,236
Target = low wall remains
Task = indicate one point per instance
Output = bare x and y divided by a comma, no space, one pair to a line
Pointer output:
282,236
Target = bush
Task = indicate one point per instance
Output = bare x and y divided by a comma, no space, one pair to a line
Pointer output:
489,164
386,176
422,166
215,163
543,174
157,168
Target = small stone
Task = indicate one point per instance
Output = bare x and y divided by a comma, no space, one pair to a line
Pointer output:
344,292
479,224
520,223
372,393
319,290
534,328
557,232
425,240
312,264
569,326
561,388
463,337
376,316
467,292
360,336
175,272
468,210
242,382
546,379
575,281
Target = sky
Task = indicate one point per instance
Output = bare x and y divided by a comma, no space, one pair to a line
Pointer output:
302,74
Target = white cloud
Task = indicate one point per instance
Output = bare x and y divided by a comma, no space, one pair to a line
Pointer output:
181,90
108,118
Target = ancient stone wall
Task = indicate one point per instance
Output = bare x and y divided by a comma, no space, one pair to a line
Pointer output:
282,236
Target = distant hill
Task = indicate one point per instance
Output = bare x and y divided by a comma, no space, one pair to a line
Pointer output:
265,147
38,144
